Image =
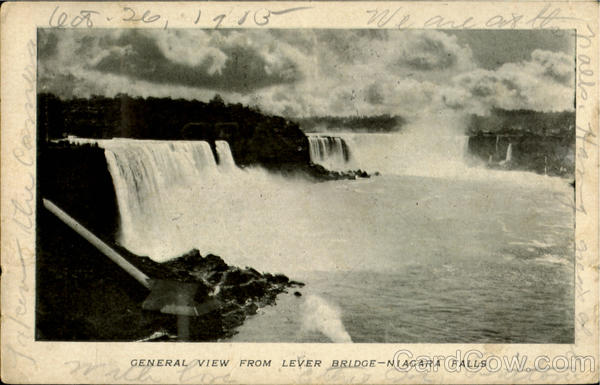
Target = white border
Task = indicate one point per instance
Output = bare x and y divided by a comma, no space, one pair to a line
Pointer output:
27,361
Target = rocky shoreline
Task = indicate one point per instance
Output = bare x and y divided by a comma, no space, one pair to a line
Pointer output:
318,173
83,296
239,292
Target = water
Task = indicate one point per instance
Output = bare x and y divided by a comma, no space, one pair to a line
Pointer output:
330,152
446,262
508,157
430,251
148,176
226,161
407,154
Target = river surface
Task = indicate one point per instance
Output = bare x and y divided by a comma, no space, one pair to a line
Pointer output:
430,260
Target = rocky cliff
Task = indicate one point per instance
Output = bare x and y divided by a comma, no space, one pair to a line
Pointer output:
543,142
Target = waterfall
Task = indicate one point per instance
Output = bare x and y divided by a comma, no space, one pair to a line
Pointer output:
150,177
406,153
226,161
508,153
173,196
330,152
497,142
508,157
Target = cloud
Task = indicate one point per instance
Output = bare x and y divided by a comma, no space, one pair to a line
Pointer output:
228,62
47,43
543,83
429,50
362,72
190,49
231,67
301,72
556,65
432,50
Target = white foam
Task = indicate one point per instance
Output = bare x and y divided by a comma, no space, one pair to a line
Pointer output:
319,315
552,259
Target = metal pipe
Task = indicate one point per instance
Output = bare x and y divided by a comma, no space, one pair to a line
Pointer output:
98,243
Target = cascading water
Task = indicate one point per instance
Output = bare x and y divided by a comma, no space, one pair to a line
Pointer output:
508,157
148,176
508,153
397,153
330,152
226,161
497,142
173,196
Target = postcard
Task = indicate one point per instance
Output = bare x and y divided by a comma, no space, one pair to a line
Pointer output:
300,192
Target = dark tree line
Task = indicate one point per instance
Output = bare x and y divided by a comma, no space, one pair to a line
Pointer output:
254,137
543,142
523,122
376,123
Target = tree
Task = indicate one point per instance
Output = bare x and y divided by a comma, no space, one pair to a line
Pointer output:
217,101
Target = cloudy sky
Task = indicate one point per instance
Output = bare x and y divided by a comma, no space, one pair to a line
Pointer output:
317,72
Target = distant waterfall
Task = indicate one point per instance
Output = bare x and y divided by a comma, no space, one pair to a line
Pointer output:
400,153
497,142
330,152
508,153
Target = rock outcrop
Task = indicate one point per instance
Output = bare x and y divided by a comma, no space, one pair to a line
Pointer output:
83,296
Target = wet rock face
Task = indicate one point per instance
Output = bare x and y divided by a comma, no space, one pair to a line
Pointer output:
318,173
238,292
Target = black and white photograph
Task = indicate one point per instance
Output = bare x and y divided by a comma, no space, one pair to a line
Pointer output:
321,192
305,185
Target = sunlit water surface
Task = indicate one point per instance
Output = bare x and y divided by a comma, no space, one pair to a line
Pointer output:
430,260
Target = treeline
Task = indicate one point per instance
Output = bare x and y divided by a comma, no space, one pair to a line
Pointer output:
523,122
543,142
376,123
254,137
